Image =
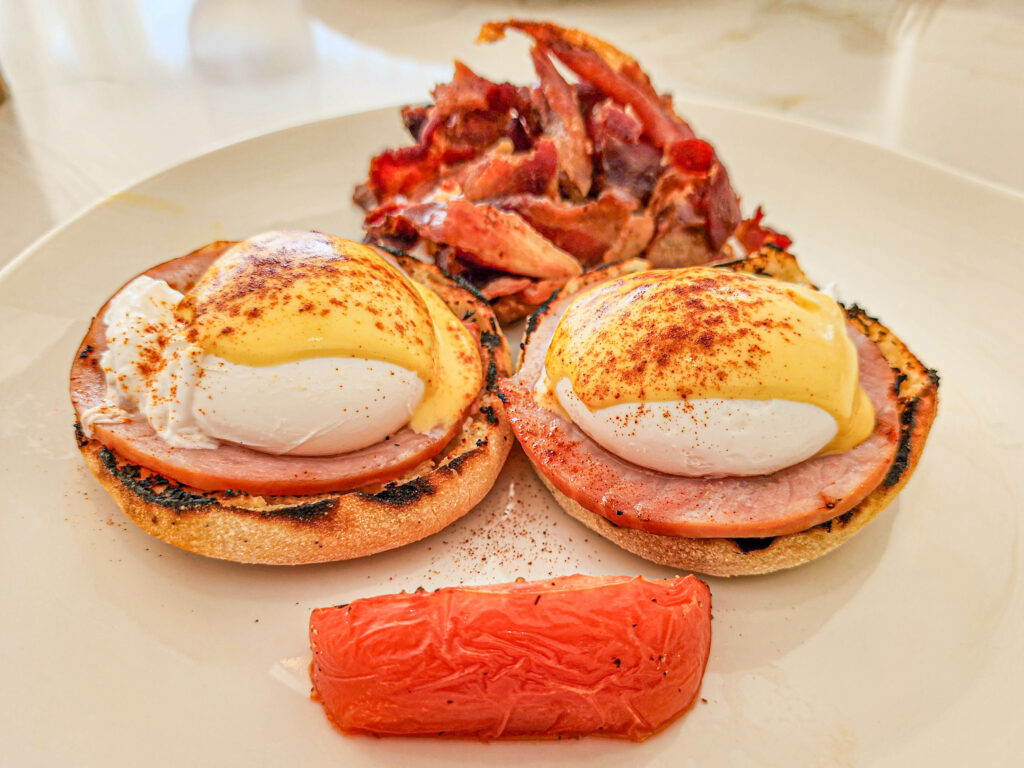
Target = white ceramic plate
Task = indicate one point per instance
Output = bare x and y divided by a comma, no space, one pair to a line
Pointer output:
901,648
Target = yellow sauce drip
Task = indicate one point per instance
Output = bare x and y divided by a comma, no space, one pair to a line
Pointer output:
285,296
459,368
702,332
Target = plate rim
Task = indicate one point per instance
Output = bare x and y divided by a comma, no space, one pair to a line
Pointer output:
25,258
17,261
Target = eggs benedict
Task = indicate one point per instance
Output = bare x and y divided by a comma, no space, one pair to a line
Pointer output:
703,372
292,371
717,419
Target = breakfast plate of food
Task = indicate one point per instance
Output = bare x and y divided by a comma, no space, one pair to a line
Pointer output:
538,422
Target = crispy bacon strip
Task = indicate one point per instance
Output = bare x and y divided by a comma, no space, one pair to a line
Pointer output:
506,285
753,236
691,156
467,90
633,239
489,238
540,291
620,77
513,306
607,120
586,231
499,174
509,186
469,114
414,117
401,171
681,232
622,159
476,112
563,122
720,205
611,70
695,191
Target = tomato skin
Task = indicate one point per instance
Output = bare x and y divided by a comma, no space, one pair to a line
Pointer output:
614,655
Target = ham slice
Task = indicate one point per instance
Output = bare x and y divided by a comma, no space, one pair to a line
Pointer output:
791,500
232,467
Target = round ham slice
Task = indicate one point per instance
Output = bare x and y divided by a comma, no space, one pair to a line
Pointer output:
630,496
232,467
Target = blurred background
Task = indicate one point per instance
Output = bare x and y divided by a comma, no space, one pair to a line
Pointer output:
106,92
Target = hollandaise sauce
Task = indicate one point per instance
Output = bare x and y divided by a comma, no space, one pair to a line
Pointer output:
290,296
701,332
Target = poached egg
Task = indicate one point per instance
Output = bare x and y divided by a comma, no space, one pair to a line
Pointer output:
706,372
291,343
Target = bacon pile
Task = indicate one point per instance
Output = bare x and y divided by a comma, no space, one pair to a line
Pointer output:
516,189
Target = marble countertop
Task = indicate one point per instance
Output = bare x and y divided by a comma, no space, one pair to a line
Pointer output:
104,94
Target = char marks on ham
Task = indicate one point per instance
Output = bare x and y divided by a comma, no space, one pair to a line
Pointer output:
599,169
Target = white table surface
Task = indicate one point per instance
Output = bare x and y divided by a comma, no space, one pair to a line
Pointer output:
107,92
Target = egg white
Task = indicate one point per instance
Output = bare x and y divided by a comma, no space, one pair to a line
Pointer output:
317,406
705,437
